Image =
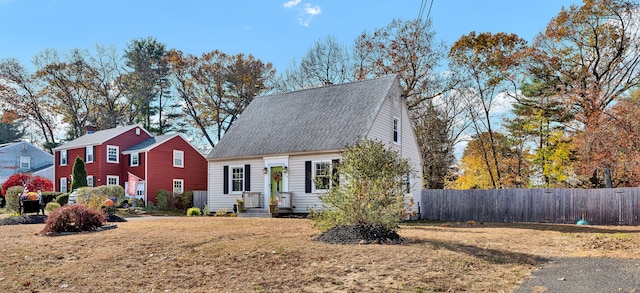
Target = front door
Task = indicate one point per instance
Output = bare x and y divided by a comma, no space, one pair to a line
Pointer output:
276,180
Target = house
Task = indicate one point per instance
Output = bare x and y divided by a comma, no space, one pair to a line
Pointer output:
165,162
23,157
283,143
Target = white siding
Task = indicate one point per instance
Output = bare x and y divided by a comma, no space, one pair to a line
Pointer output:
216,199
302,201
394,107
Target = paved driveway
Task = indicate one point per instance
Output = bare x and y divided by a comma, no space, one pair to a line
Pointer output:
598,275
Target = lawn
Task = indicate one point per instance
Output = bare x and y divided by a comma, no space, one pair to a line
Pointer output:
221,254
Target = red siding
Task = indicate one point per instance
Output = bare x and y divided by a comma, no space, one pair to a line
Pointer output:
161,171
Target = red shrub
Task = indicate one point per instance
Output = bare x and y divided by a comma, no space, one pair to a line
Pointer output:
73,218
34,183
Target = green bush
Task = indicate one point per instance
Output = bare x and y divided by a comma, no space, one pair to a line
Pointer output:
74,218
184,201
162,199
83,194
112,191
63,199
193,212
372,189
50,196
206,210
51,206
13,198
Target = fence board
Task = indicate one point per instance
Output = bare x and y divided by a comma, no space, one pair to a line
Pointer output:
618,206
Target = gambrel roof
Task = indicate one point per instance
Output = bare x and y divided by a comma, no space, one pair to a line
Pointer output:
319,119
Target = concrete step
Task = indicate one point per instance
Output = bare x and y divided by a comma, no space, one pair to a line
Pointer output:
255,213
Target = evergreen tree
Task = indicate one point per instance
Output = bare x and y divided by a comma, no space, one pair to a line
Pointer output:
78,174
10,132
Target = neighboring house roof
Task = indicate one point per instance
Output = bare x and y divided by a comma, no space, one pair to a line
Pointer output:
318,119
149,144
41,168
98,137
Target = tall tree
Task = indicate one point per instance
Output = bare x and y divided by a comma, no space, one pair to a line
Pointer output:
326,62
66,80
593,50
147,84
215,88
489,63
20,93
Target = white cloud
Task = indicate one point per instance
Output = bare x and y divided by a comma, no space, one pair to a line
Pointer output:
311,10
291,4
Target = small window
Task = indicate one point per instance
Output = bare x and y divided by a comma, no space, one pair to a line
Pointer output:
89,154
178,186
90,181
178,159
134,159
113,180
137,131
396,129
63,157
25,163
237,179
63,185
112,154
322,175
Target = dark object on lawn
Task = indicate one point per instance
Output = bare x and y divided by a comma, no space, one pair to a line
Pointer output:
24,219
30,206
360,234
114,218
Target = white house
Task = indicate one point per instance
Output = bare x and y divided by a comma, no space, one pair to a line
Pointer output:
282,143
23,157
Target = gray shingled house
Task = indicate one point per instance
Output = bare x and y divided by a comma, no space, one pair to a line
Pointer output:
284,145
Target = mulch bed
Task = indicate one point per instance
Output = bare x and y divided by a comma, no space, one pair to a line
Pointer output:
40,219
360,234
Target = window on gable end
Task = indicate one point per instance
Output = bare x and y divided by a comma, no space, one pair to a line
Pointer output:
178,159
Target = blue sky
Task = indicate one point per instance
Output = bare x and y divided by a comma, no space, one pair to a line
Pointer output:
274,31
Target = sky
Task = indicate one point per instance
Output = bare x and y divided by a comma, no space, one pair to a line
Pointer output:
275,31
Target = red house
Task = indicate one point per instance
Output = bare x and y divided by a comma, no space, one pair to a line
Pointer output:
166,162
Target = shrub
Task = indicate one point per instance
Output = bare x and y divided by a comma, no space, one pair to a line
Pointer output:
50,196
13,195
162,199
112,191
63,199
193,211
372,190
83,194
78,174
221,212
206,210
150,207
184,201
73,218
52,206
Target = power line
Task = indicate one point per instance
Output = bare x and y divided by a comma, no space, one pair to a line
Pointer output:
422,6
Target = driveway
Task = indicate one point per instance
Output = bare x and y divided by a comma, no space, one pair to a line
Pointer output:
598,275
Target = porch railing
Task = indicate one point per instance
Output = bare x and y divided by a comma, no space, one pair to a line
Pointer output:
253,199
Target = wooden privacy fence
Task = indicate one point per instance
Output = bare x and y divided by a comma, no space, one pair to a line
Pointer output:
613,206
199,198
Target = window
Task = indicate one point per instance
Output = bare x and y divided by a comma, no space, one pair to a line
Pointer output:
88,151
178,159
322,175
113,180
134,159
63,157
25,163
63,184
396,129
178,186
90,181
407,182
237,179
112,154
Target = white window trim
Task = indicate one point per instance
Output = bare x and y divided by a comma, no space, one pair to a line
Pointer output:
63,185
66,161
26,160
90,181
181,186
137,161
89,151
175,152
313,171
117,148
117,178
231,191
396,135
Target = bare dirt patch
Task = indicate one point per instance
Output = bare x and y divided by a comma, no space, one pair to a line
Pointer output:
213,254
